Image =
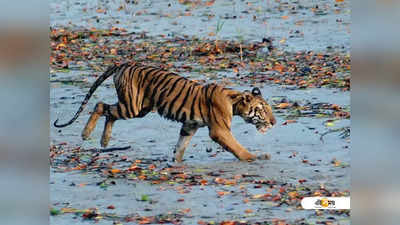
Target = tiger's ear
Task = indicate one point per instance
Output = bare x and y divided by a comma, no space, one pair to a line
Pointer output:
256,91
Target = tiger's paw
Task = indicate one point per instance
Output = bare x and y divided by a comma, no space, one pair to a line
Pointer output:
247,157
266,156
85,136
177,161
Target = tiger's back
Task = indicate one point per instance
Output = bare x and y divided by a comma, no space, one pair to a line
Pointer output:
142,89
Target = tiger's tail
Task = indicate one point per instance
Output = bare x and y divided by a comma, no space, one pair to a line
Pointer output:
110,71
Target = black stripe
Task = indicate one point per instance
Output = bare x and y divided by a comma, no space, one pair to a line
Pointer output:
171,105
211,95
162,86
226,125
155,91
139,77
173,86
140,84
184,133
211,111
119,111
156,85
209,99
124,89
170,89
156,79
209,102
161,109
155,76
144,111
199,105
146,75
206,96
212,92
129,70
193,104
190,89
123,67
165,75
194,85
139,70
129,90
251,110
147,88
161,97
206,90
183,118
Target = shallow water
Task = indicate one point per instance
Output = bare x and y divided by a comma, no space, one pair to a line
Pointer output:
152,137
294,25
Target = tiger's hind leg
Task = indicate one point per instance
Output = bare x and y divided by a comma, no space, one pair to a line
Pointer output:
111,114
105,138
114,113
186,134
91,123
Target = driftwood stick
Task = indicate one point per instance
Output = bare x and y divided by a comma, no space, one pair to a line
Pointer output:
345,132
110,149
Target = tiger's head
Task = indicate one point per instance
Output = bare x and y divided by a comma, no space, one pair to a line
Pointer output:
255,110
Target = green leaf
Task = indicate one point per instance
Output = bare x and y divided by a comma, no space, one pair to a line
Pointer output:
329,124
55,212
145,198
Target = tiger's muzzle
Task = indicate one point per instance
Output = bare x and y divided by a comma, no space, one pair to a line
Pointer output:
261,126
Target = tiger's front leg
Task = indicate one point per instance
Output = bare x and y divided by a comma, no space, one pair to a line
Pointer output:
186,134
225,138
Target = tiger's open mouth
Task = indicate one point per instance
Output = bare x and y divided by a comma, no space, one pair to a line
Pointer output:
262,128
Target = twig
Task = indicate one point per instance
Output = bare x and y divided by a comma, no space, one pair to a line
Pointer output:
110,149
345,132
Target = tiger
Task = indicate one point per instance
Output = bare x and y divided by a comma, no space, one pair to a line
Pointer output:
143,89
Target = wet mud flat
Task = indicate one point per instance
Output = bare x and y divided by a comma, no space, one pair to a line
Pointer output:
142,183
307,86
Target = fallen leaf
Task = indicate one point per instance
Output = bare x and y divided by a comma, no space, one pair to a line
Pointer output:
228,223
283,105
222,193
145,220
301,181
210,3
201,222
288,122
293,194
203,182
186,211
114,171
